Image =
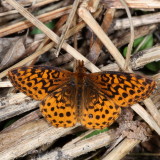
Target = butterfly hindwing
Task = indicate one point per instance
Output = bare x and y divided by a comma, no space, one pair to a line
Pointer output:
97,111
59,107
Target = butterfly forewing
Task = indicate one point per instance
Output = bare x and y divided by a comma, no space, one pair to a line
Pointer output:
38,81
123,88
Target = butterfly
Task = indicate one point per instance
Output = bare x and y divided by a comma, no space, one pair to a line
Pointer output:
92,99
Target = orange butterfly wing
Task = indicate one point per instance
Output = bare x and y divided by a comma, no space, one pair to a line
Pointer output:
106,92
38,81
98,111
123,89
59,108
95,103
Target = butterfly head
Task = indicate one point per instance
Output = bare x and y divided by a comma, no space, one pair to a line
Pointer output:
80,66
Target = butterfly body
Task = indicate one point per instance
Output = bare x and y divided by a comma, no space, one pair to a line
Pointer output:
93,99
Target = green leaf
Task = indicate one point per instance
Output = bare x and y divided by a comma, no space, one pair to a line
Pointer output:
38,31
96,132
148,43
137,41
153,66
125,51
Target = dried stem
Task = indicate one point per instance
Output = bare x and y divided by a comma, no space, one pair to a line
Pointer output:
26,24
130,45
149,4
67,26
122,149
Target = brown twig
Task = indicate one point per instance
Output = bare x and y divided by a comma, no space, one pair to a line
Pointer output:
97,45
26,24
67,26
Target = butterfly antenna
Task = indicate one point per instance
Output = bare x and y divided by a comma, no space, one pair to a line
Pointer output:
79,65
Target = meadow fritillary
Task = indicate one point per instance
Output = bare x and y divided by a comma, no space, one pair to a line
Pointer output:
94,99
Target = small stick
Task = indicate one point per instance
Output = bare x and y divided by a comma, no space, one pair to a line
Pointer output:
148,4
97,45
5,84
130,45
146,56
73,150
122,149
137,21
67,26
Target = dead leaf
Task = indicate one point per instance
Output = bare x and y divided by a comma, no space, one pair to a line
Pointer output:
15,52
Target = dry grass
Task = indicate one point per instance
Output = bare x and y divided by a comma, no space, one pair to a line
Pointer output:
23,138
